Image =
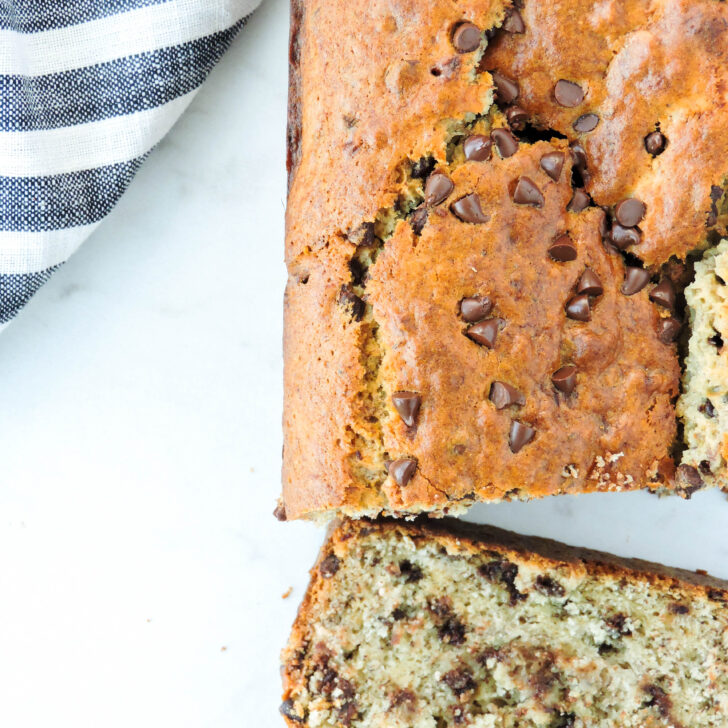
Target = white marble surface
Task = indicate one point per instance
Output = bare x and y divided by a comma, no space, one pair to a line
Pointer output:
141,572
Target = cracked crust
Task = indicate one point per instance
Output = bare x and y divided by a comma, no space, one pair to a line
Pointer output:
355,140
643,66
500,603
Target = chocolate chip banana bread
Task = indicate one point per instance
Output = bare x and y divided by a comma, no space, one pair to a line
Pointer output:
437,624
488,210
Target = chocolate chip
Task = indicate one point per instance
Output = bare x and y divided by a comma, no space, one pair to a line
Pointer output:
568,93
707,408
402,470
562,249
329,566
437,188
452,632
564,379
635,279
287,709
527,193
580,201
578,308
520,435
668,329
546,585
586,123
664,294
484,333
468,209
514,22
475,308
505,142
704,467
503,394
280,512
477,148
506,90
459,681
404,697
418,220
623,237
407,405
677,608
689,475
578,156
347,713
655,143
505,572
423,167
630,212
552,163
350,300
466,37
516,117
412,573
589,284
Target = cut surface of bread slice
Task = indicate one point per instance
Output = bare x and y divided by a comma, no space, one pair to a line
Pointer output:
703,405
438,624
489,213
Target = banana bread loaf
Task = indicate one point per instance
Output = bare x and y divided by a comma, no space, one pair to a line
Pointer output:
437,624
484,236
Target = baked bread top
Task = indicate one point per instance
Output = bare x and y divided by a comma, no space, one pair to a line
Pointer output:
653,74
442,348
434,624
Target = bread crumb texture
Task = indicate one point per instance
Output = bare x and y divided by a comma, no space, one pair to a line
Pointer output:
405,628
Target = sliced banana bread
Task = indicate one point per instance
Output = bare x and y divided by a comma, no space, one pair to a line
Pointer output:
435,624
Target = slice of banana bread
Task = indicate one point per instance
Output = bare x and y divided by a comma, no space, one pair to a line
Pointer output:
436,624
703,405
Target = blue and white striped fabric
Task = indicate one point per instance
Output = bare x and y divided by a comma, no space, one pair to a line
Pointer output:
87,88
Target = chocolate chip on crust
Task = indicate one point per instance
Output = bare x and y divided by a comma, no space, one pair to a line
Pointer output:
466,37
407,405
505,142
468,209
506,90
552,163
568,93
527,193
475,308
437,188
477,148
520,435
589,284
503,394
635,279
577,308
402,470
562,249
485,332
564,379
586,123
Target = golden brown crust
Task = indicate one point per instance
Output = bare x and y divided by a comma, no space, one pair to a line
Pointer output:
365,109
369,100
642,66
457,536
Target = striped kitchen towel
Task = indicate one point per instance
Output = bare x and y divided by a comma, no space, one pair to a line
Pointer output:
87,88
